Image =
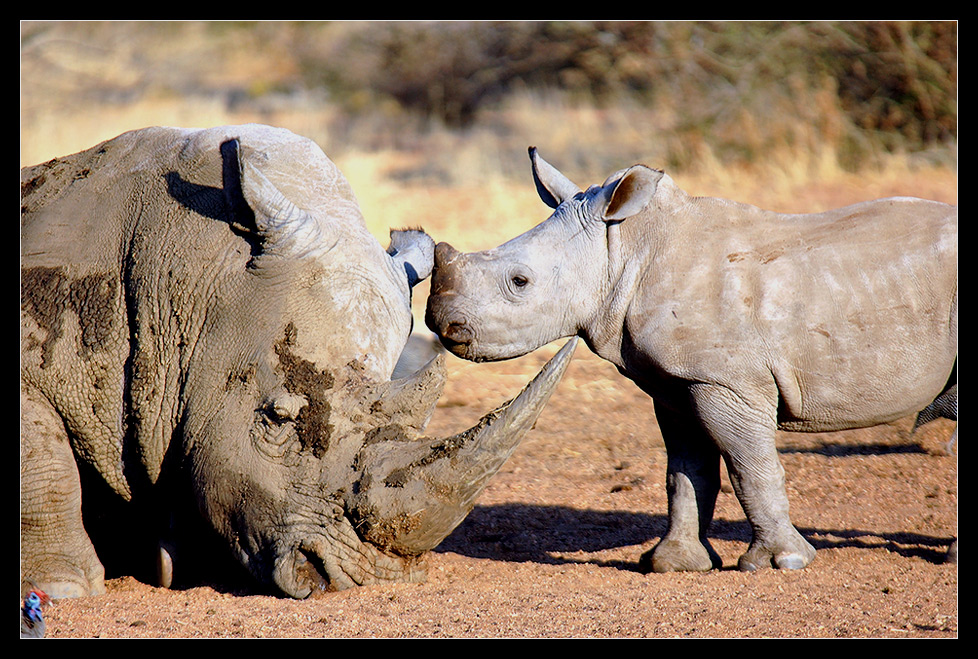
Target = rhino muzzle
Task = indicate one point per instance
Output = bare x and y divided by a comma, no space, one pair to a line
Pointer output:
410,491
442,315
457,333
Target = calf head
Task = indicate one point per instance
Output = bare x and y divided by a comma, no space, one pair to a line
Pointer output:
547,283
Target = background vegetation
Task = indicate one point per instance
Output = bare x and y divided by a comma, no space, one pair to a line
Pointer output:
765,112
856,87
738,89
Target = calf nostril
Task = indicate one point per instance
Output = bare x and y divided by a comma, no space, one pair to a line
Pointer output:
458,332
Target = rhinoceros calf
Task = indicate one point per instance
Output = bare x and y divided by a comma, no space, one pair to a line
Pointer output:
735,320
208,332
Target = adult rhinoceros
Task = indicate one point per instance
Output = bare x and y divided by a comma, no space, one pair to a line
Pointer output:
735,320
207,321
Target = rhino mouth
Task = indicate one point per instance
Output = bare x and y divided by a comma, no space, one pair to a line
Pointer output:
462,349
309,573
456,335
466,346
334,558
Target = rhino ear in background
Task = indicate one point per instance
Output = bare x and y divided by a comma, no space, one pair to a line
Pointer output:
414,251
626,193
241,216
277,220
552,186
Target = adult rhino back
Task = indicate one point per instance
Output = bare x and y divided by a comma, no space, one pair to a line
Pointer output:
208,334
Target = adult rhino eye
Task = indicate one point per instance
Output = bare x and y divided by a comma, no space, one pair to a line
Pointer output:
519,281
283,408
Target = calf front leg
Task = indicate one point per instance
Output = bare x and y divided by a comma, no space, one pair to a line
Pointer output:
692,484
744,431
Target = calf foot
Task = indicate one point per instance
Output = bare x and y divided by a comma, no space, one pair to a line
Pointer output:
672,555
793,554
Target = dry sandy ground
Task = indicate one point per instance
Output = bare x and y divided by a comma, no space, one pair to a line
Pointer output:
552,548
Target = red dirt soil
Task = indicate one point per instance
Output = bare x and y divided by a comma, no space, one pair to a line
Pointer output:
552,547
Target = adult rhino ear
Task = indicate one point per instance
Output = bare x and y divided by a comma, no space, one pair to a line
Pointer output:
278,221
626,193
414,251
552,186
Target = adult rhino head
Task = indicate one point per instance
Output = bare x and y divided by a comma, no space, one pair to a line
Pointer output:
206,320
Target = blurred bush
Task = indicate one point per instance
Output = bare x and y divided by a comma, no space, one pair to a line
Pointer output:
465,95
740,88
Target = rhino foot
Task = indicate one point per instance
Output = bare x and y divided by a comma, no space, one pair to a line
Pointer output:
672,555
57,555
64,581
793,555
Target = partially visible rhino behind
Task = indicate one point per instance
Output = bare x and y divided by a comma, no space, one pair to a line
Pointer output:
735,320
208,332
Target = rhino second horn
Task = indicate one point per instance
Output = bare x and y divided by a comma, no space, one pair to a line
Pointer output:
409,402
412,494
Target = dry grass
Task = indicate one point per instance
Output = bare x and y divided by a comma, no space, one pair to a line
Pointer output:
82,83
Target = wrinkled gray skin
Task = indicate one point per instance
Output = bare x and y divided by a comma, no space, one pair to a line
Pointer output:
207,321
735,320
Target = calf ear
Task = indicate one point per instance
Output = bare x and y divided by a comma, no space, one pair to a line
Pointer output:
414,251
626,193
552,186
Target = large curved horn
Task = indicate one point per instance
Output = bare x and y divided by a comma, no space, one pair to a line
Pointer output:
412,494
